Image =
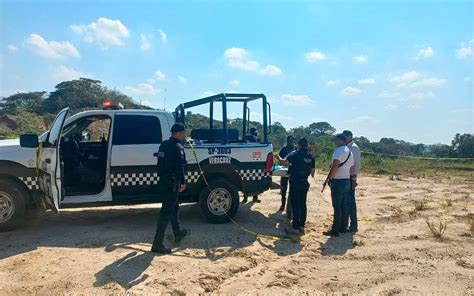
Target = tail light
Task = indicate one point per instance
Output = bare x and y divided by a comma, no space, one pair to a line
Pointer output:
269,164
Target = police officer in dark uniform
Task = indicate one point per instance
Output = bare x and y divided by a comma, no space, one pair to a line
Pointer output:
171,167
284,152
302,165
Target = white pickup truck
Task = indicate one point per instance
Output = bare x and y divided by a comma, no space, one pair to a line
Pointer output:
108,157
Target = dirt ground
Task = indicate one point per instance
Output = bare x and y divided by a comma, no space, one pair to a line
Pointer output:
105,250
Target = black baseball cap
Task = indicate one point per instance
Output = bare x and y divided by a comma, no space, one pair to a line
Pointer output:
290,138
347,133
177,127
303,142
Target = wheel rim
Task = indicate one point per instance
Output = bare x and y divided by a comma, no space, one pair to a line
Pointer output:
219,201
7,207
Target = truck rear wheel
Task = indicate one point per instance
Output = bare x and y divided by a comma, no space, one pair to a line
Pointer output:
12,204
222,197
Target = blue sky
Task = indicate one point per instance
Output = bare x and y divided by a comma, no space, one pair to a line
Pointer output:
399,69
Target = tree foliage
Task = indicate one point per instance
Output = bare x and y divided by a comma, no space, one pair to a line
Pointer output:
33,111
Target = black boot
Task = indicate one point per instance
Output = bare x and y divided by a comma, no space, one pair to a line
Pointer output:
180,235
160,248
255,199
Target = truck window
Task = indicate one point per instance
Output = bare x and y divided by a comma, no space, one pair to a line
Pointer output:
136,129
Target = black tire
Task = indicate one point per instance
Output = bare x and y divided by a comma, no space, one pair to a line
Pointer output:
12,204
226,191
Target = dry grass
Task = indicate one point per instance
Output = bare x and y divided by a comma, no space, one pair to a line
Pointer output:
437,229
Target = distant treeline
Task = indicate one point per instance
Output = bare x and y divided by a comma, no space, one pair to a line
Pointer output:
34,111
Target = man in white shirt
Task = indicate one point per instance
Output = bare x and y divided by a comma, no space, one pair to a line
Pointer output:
351,202
340,181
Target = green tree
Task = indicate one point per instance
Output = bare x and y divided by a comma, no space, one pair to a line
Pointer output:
321,128
463,145
20,102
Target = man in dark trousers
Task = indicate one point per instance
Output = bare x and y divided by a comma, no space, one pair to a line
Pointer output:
351,202
171,167
287,149
302,165
340,182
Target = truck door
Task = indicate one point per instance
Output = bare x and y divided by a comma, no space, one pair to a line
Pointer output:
49,164
135,139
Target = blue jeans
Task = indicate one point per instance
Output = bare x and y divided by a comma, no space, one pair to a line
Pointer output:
340,189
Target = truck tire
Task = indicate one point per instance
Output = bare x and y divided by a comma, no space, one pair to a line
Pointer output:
12,204
222,195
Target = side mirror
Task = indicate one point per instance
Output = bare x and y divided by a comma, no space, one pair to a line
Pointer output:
29,140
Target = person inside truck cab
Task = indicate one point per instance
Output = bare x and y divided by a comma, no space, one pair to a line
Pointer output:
252,137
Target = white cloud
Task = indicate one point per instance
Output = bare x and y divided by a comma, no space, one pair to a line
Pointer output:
208,93
466,50
332,83
350,91
63,73
145,44
425,53
405,77
104,32
246,65
367,81
51,49
140,89
271,70
182,80
239,58
234,82
413,79
12,48
160,76
360,59
296,100
151,80
314,56
467,78
362,120
163,36
236,53
388,95
391,107
279,117
428,82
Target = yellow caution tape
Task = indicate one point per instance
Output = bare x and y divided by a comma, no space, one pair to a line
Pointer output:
242,228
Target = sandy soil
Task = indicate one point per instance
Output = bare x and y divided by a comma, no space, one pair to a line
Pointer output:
105,250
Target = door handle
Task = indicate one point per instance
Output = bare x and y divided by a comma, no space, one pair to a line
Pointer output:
47,160
155,154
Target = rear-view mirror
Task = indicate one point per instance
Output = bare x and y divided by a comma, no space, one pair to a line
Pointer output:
29,140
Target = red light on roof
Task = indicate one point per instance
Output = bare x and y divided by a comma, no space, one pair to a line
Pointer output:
112,105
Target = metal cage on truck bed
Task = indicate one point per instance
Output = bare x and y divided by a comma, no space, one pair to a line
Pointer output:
226,135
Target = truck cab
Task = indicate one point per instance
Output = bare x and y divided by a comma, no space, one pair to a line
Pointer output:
109,156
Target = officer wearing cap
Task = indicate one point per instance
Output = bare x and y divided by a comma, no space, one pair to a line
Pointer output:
171,167
287,149
302,165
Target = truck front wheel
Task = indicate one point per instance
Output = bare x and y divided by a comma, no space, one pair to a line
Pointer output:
12,204
219,202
